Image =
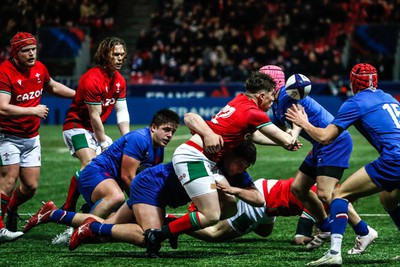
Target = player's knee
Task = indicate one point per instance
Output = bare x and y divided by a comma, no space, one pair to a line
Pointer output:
325,198
116,200
28,190
297,192
210,218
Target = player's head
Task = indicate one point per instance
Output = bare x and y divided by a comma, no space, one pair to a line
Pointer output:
237,161
111,53
163,126
260,87
276,73
23,49
363,76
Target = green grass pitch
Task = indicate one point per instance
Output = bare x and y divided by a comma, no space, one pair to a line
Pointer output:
35,249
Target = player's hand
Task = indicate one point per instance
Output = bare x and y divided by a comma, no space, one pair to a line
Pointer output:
41,111
226,188
213,143
296,144
104,145
301,240
297,115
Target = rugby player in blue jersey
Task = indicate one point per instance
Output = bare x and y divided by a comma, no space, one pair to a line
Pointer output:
324,164
375,114
151,192
103,181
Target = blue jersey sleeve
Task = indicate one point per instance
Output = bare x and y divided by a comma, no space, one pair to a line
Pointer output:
136,146
348,114
242,180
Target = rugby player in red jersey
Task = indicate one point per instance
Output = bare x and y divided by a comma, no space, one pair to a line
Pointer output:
195,161
100,90
22,81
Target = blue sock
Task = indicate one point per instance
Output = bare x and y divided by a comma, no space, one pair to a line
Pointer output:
339,215
361,228
100,229
324,225
62,217
395,215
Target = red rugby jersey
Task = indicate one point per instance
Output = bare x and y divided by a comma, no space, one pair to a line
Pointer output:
236,122
280,201
26,91
96,88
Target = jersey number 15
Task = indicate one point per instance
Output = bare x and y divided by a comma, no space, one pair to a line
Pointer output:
394,112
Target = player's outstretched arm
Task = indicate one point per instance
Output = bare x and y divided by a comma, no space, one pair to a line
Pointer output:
280,137
250,194
59,89
322,135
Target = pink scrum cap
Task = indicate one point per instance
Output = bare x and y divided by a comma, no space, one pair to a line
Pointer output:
276,73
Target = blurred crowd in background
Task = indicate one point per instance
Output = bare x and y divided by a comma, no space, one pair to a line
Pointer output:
221,40
211,41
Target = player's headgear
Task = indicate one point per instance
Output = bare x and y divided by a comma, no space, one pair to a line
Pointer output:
20,40
363,76
276,73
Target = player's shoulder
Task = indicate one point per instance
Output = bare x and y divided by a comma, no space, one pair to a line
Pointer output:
93,71
142,134
5,64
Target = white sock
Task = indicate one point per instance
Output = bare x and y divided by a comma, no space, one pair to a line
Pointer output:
336,243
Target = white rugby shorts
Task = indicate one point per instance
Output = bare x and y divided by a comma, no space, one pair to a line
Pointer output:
78,138
17,150
195,171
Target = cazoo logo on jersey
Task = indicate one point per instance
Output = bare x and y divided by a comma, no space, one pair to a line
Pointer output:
30,95
108,102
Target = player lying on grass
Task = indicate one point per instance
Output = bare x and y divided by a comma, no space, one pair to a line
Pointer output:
279,201
150,192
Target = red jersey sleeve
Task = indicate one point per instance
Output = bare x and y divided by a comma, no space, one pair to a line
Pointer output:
257,118
92,93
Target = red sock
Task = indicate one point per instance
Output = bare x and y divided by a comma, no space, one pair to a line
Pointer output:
73,194
1,223
186,223
17,200
4,205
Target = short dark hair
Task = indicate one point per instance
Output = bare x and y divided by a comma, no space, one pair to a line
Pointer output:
164,116
102,55
246,150
258,82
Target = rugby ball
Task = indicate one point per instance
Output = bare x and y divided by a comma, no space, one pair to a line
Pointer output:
298,86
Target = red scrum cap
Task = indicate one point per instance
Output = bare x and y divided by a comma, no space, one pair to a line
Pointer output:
20,40
276,73
363,76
